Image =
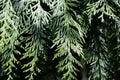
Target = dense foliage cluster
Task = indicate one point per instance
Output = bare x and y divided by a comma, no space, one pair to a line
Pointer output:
59,39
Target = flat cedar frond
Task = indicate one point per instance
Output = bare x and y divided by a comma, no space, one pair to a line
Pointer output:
34,42
9,34
69,37
103,8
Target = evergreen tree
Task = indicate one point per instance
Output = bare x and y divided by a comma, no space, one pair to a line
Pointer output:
59,39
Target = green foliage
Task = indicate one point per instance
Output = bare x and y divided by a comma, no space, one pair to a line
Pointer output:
103,7
69,39
59,39
112,37
97,48
33,35
9,34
